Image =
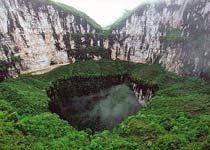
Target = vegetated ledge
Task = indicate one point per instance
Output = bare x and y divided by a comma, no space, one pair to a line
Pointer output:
177,116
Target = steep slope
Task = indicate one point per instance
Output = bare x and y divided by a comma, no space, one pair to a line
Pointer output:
173,33
37,33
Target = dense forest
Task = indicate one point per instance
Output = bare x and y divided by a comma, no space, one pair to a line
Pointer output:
176,117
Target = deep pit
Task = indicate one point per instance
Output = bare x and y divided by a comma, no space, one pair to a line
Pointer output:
97,103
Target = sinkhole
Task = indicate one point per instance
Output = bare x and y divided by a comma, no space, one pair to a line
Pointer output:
97,103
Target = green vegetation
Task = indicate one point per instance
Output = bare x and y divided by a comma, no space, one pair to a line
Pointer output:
89,53
104,34
121,20
15,59
3,70
175,35
177,117
78,13
66,9
127,14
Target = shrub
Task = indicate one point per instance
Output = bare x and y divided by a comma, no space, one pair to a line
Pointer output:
171,141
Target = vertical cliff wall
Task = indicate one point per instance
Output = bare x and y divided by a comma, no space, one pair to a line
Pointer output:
173,33
37,33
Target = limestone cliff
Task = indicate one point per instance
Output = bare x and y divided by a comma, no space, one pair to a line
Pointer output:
173,33
37,33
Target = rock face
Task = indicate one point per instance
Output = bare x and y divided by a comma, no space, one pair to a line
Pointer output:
35,34
173,33
142,92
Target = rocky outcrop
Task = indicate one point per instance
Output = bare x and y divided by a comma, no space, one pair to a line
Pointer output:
173,33
142,92
35,34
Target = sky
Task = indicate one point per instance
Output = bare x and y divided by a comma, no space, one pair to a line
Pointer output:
104,12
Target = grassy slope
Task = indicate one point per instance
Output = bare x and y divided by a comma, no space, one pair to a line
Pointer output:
177,117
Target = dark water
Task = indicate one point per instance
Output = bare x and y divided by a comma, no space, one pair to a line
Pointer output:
103,110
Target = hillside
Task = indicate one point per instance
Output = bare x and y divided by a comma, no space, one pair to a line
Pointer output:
176,117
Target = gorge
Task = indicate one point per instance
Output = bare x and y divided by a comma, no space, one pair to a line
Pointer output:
172,33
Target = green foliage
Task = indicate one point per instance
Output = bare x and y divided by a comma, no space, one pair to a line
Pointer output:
24,97
3,70
10,136
171,141
89,53
175,35
120,20
127,14
15,59
177,116
108,141
66,9
80,14
44,125
104,34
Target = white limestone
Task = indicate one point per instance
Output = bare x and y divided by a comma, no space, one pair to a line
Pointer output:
38,33
144,36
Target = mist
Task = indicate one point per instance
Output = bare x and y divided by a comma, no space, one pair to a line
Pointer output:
102,110
120,103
